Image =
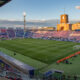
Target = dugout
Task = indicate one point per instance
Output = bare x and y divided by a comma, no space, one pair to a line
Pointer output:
52,74
58,74
48,75
17,64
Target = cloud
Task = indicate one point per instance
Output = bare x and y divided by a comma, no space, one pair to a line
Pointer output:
30,23
42,20
77,7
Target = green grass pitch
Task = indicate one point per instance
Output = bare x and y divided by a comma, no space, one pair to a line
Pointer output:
40,53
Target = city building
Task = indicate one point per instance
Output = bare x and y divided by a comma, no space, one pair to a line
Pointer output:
76,26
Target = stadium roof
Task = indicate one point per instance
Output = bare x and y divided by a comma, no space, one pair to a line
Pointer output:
3,2
16,63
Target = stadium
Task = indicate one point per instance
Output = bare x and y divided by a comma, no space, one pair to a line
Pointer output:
40,54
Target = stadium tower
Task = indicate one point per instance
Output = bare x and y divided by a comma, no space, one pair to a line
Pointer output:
24,14
64,19
64,23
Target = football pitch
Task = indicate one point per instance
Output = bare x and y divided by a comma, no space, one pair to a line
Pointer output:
41,53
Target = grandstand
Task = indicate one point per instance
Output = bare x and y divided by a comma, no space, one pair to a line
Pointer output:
11,33
19,33
3,33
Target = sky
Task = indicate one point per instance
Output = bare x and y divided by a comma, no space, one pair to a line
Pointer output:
40,9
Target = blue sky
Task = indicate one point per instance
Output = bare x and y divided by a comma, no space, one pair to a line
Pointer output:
40,9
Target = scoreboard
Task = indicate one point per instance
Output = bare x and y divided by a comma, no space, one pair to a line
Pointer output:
3,2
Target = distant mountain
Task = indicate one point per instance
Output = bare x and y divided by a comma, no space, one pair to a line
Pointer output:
74,21
32,23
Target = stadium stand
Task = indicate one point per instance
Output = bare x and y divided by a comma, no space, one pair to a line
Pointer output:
75,35
3,33
3,78
28,34
12,73
7,72
11,32
19,33
52,35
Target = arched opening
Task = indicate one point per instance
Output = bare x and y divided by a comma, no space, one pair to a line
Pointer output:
62,28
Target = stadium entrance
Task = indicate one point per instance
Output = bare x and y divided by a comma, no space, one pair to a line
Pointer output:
62,28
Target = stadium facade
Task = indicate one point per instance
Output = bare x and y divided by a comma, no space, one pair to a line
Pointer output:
65,25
